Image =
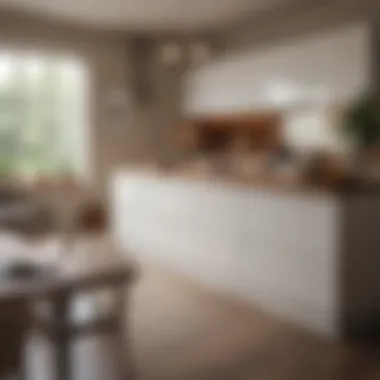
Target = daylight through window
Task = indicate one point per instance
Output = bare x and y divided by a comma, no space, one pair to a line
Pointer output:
43,115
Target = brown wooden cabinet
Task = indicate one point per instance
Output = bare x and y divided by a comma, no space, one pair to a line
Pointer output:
258,132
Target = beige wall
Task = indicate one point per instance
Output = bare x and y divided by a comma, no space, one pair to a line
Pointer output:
145,132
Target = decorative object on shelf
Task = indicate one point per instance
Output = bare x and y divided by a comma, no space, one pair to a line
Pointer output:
174,52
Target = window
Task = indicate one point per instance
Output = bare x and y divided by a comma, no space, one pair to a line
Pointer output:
43,115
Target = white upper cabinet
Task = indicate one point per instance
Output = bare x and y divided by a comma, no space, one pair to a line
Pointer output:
315,70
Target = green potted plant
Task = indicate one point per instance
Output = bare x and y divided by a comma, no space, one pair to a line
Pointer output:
361,124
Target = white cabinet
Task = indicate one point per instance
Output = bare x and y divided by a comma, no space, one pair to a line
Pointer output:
276,250
333,65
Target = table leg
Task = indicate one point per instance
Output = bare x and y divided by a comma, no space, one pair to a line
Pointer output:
22,370
125,357
61,339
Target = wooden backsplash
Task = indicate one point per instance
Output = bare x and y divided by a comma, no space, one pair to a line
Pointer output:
257,132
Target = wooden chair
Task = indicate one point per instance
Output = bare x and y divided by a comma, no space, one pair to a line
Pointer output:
15,321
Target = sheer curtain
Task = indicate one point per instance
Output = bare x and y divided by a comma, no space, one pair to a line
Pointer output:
43,115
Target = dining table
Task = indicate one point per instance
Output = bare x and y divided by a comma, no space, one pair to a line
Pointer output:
57,285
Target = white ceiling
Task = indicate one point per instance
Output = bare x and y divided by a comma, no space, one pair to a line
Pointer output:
146,14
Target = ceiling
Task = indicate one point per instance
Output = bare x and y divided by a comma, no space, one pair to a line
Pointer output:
147,15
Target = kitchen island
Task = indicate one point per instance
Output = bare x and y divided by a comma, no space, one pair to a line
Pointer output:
309,256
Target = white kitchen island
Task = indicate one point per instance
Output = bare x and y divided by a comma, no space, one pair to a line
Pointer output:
309,257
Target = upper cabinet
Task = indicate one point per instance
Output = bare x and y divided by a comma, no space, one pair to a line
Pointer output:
329,68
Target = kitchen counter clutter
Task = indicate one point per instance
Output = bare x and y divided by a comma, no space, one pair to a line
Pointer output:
311,257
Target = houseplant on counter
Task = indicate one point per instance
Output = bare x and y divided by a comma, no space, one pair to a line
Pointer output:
361,127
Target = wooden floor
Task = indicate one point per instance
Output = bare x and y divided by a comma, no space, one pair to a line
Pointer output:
184,332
